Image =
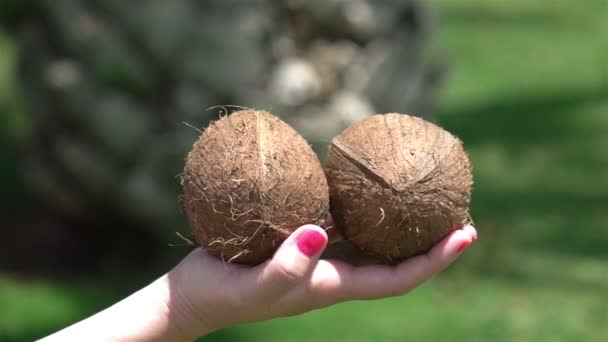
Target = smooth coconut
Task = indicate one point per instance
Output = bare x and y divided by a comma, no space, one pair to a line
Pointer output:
250,181
398,185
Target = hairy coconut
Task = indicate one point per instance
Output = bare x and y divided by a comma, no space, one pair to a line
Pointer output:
249,181
398,185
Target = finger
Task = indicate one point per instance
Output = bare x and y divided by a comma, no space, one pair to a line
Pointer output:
369,282
292,263
334,281
471,230
326,286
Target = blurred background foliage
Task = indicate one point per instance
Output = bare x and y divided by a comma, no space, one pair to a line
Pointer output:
91,140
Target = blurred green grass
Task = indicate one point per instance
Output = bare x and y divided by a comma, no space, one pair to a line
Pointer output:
527,92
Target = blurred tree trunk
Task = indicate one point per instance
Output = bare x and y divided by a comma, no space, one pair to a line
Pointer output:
110,83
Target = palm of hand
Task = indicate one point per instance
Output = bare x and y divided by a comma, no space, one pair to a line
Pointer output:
214,294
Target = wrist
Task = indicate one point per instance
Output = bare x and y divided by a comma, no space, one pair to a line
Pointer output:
151,314
174,313
185,318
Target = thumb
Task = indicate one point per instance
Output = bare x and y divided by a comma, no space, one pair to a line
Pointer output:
293,261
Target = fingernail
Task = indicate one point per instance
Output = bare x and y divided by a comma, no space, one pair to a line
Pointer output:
463,246
310,242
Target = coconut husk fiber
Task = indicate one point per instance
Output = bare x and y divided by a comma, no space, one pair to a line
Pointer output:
398,185
250,181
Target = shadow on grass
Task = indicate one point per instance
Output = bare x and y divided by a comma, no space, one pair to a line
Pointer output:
566,219
517,121
562,223
489,16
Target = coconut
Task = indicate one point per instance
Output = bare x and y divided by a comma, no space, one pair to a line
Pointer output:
250,181
398,185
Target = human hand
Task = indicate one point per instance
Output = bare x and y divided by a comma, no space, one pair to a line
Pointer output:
208,294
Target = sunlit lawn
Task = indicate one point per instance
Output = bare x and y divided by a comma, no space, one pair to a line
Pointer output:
527,92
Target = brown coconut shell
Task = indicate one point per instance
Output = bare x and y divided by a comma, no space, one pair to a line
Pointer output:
398,185
250,181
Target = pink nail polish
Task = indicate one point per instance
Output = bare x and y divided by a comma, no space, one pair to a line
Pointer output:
310,242
463,246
